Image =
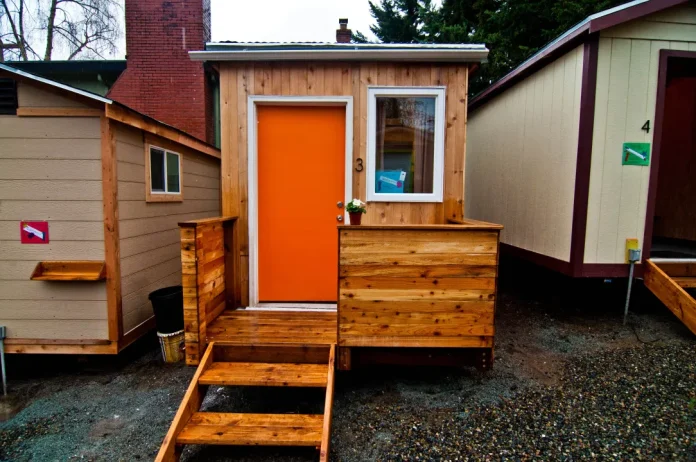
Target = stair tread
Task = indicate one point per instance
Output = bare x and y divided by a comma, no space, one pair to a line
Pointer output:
219,428
265,374
687,282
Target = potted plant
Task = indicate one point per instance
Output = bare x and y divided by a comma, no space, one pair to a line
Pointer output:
355,209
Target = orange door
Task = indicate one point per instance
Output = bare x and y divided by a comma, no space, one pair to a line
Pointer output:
301,167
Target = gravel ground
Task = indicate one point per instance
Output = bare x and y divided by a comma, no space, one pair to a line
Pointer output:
570,382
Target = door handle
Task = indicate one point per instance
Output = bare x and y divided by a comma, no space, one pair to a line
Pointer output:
339,217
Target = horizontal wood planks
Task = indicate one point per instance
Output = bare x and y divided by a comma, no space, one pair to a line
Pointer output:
203,277
417,287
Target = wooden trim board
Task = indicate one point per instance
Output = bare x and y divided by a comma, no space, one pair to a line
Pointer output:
134,119
324,449
671,294
111,230
110,348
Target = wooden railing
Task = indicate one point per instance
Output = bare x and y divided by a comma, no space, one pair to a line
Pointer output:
418,285
208,269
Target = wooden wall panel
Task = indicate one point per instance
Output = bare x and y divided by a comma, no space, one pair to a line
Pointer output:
417,287
240,80
206,270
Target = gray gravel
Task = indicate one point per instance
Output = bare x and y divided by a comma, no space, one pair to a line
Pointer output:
569,383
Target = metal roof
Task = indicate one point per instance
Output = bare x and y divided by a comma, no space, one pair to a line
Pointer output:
53,83
300,51
575,35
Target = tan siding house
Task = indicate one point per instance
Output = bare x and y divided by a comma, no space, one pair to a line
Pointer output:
546,142
57,155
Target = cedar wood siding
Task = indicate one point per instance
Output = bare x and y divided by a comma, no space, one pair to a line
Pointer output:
239,80
50,169
521,158
627,73
150,249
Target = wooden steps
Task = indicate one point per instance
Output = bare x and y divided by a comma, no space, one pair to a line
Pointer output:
667,280
252,429
265,366
265,375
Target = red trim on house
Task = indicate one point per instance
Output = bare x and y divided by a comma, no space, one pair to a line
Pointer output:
634,12
657,143
584,155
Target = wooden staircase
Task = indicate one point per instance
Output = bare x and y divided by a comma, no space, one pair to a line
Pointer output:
263,366
669,280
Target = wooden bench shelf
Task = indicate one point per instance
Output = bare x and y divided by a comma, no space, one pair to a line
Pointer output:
70,270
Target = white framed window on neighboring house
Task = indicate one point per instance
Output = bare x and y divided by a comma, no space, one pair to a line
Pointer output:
406,144
163,171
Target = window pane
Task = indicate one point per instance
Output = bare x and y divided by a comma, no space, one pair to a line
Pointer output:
405,145
156,170
172,172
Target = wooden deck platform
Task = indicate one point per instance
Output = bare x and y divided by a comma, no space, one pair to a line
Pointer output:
267,327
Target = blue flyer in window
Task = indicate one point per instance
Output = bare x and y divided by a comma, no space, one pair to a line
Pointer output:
390,181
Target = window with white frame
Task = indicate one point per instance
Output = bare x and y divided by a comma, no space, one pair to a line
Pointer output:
406,144
164,174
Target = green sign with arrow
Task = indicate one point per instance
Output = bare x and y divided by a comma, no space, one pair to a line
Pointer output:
635,154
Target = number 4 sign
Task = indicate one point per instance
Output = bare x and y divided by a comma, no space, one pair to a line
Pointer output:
34,232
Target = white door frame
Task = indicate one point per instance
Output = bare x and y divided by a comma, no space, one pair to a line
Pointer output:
253,102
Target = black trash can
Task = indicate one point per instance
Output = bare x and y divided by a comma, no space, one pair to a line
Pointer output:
168,305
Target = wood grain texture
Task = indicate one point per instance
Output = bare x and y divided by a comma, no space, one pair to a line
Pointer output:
240,80
671,294
442,295
111,229
80,270
324,447
205,250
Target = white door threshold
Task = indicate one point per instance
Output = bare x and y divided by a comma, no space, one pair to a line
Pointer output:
330,307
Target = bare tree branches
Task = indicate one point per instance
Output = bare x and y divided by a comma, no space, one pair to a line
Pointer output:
84,29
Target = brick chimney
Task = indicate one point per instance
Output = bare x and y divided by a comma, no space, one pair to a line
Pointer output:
160,80
343,33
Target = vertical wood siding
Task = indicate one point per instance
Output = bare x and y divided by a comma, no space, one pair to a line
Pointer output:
521,158
238,81
50,169
149,232
627,72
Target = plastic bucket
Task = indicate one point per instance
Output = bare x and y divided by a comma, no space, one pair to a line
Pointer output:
168,306
172,346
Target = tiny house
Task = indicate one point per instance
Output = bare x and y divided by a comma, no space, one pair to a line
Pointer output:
90,196
586,148
280,289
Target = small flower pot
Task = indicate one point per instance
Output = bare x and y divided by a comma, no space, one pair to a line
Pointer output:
355,217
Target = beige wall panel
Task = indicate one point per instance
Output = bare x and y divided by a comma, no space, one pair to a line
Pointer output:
33,148
139,244
54,250
626,92
51,309
42,190
50,169
50,127
32,96
57,329
45,290
34,169
149,232
521,158
138,227
86,210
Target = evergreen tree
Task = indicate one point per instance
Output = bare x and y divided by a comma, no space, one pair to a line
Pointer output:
512,29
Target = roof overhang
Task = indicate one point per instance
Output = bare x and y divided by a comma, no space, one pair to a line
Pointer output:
341,52
572,38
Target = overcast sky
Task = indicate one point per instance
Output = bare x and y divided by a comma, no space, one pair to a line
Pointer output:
287,20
